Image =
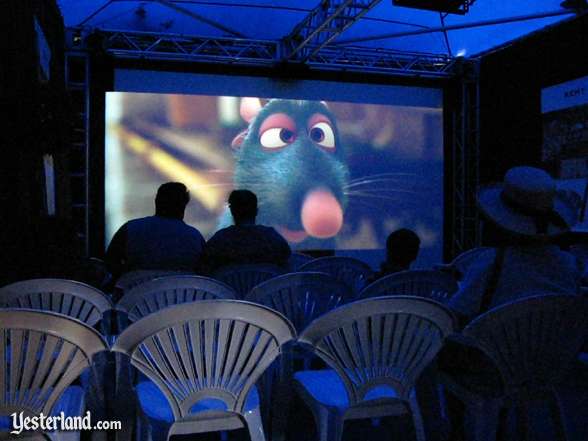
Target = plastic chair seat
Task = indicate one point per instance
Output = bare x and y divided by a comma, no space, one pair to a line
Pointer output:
156,406
326,388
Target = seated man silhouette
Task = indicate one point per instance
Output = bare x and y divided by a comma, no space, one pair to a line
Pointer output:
245,242
402,249
162,241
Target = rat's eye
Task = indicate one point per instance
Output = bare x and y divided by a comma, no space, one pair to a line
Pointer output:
277,131
276,137
322,133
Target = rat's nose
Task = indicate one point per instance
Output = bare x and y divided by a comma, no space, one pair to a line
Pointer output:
322,215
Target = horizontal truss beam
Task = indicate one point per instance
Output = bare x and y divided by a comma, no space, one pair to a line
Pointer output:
249,52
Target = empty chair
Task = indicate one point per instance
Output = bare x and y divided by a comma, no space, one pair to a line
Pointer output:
74,299
462,262
162,292
532,342
203,360
296,260
353,272
376,349
244,277
41,354
301,297
436,285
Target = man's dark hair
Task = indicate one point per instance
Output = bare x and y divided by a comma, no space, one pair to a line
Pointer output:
243,205
402,246
171,200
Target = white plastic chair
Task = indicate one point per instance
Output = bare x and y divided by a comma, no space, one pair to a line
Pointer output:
74,299
153,295
242,278
376,348
203,360
436,285
296,260
41,354
532,343
353,272
301,297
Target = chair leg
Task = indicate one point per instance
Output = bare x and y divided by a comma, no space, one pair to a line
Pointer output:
329,425
254,424
481,421
417,417
502,424
523,421
558,417
282,393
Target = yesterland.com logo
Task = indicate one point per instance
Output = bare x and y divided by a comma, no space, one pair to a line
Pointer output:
61,422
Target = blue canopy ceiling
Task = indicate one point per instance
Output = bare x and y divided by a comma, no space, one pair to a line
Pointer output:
384,26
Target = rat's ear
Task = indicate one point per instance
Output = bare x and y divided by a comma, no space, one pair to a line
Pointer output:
238,140
250,107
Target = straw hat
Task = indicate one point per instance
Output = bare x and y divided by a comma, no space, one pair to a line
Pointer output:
528,203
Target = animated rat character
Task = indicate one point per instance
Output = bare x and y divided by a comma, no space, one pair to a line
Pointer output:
290,156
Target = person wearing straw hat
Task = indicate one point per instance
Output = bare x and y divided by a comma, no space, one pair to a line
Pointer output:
528,213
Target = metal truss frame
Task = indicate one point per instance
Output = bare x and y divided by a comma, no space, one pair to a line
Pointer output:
465,232
324,23
466,159
247,52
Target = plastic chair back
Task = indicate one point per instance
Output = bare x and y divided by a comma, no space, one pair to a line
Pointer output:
353,272
465,259
208,349
134,278
436,285
242,278
383,341
160,293
534,340
296,260
301,297
68,297
41,354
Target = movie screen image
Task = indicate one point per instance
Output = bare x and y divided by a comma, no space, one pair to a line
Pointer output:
328,175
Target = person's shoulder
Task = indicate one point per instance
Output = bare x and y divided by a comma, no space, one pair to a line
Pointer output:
138,221
270,231
191,231
221,234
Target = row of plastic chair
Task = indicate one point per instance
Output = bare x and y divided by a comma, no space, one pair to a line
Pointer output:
203,359
300,296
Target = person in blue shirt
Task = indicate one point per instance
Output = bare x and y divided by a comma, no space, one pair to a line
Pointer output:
245,242
162,241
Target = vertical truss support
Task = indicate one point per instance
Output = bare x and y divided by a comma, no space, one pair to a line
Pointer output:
324,23
77,75
466,145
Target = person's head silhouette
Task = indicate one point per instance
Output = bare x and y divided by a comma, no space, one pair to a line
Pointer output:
171,200
243,206
402,247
